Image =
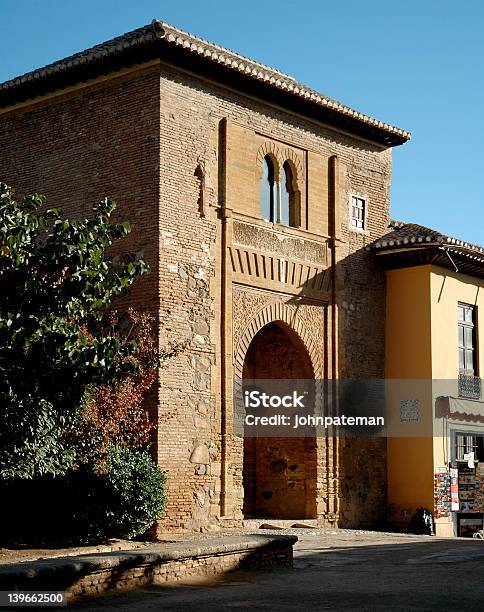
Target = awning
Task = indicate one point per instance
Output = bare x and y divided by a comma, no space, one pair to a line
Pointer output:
460,408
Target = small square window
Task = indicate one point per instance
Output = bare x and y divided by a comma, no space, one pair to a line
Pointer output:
358,211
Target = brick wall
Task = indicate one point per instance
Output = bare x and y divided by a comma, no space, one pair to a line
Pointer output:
96,142
193,112
142,138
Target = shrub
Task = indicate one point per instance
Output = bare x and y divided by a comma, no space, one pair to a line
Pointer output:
83,506
125,501
73,377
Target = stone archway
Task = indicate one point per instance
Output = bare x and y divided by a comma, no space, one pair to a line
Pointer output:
278,311
279,474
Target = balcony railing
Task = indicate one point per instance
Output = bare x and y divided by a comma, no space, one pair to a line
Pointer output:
469,386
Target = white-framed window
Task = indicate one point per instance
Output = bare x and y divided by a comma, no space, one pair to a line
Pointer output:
468,442
358,212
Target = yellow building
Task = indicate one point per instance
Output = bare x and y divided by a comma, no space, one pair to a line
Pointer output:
435,292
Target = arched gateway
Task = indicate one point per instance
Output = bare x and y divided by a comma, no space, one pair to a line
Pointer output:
279,473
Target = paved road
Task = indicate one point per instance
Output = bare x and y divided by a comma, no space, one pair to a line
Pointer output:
345,571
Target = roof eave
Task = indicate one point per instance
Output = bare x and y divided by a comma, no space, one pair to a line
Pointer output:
160,41
439,255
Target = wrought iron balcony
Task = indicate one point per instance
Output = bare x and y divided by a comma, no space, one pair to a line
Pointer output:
469,386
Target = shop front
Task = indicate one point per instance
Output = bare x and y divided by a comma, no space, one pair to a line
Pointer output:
467,468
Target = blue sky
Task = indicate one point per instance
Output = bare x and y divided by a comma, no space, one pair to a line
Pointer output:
415,64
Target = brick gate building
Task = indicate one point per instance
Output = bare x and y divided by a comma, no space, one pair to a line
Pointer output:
252,198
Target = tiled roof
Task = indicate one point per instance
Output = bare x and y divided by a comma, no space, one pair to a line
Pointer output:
409,245
162,40
408,234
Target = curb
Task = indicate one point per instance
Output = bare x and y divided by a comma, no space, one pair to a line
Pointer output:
95,574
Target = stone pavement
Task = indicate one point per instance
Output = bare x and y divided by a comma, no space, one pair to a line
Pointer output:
336,570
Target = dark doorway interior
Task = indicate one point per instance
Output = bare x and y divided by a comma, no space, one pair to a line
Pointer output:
279,474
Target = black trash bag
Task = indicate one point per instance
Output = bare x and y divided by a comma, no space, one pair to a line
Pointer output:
422,523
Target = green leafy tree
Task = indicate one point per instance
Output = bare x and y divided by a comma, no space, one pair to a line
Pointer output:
56,284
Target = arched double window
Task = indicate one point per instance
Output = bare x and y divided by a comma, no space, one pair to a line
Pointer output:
268,192
278,200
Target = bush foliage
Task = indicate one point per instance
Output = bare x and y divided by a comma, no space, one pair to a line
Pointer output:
125,500
83,505
56,282
114,415
74,434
